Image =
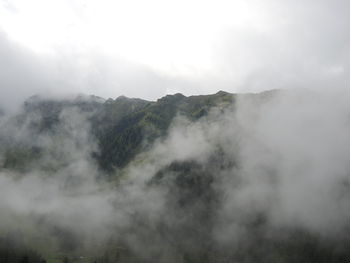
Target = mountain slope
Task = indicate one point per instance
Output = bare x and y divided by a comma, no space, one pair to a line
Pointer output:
122,127
178,180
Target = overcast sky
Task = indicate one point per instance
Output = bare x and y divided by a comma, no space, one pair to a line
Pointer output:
151,48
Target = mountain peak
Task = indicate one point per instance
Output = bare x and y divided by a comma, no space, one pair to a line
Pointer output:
172,98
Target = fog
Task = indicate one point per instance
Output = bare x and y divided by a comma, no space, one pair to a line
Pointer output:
282,156
272,164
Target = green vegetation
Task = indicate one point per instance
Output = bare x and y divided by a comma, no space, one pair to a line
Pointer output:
124,128
138,128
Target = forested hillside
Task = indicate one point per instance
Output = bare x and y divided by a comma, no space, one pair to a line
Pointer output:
181,179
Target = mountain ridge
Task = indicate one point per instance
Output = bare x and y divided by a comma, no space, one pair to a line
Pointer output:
179,179
120,125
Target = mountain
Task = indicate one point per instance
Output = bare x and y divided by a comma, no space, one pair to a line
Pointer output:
86,179
120,126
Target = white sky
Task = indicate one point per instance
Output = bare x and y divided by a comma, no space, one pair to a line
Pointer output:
173,36
149,48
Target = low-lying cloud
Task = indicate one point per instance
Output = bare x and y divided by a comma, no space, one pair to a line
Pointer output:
277,160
